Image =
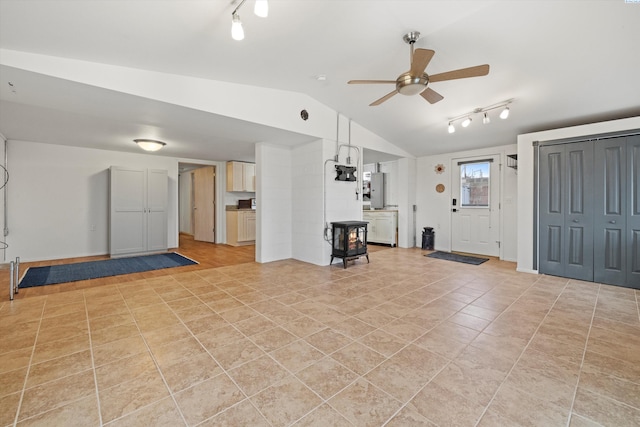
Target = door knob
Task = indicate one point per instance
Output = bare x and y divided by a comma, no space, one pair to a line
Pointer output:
575,220
613,221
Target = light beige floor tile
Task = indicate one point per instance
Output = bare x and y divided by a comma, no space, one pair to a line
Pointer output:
604,410
273,339
53,349
323,416
612,387
51,395
233,355
526,409
358,357
383,342
286,401
258,374
119,349
244,413
327,377
129,396
12,381
612,366
304,326
189,371
81,412
163,413
123,370
328,340
8,408
364,404
297,355
171,353
443,407
57,368
220,337
208,398
408,417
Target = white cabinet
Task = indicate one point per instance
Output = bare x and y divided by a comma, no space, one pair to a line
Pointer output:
137,211
382,226
241,227
241,176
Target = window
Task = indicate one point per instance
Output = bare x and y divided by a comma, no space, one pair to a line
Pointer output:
474,184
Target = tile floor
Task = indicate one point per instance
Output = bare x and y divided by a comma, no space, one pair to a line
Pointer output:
402,341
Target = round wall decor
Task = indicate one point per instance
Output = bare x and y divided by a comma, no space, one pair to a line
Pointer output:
440,188
439,168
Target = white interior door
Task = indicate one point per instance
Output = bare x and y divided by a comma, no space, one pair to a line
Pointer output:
204,204
475,212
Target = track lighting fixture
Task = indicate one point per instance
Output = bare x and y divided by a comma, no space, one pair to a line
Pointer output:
261,9
467,117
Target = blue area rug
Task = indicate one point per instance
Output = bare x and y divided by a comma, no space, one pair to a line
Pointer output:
39,276
457,258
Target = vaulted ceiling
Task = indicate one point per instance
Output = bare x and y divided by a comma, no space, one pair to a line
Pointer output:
562,62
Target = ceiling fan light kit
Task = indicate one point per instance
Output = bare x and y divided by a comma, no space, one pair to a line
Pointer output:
416,81
261,9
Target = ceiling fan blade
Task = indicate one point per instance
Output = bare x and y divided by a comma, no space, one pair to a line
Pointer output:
431,95
463,73
384,98
421,58
368,82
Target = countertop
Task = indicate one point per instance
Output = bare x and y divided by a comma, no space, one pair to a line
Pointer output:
235,208
379,210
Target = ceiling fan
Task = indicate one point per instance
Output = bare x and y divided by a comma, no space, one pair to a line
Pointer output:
416,81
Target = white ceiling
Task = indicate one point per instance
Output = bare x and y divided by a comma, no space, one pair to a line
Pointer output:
563,63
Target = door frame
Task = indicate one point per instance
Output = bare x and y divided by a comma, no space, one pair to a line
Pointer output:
454,180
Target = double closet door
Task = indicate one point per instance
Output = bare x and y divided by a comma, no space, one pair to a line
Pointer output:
589,210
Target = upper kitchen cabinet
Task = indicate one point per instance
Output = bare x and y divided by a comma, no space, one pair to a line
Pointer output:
241,176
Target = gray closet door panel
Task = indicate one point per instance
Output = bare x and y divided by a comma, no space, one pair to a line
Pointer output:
610,236
633,212
579,215
551,206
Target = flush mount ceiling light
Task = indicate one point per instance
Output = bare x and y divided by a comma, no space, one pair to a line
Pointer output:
467,117
149,144
261,9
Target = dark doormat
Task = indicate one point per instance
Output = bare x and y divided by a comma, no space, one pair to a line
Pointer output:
51,275
457,258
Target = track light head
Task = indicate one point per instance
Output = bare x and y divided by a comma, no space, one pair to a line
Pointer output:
237,32
486,119
451,128
504,113
261,8
466,122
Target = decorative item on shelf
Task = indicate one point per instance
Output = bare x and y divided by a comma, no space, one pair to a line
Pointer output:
439,168
440,188
467,119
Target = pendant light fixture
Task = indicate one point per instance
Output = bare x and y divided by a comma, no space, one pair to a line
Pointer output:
504,113
149,144
261,9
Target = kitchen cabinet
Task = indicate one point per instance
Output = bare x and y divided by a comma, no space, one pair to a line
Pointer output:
137,211
241,227
382,226
241,176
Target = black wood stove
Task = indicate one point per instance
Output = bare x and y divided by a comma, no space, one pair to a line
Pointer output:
349,240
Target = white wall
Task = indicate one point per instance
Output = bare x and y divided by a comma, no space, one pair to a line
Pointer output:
406,190
307,225
434,209
274,202
58,199
526,177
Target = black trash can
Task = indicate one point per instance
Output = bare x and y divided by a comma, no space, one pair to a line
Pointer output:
428,238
